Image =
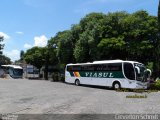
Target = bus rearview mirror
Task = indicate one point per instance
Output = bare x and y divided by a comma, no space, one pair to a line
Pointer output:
137,69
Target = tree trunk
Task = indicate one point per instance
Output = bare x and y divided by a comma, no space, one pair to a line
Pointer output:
46,66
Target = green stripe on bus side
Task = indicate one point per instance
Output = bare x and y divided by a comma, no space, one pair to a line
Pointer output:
100,74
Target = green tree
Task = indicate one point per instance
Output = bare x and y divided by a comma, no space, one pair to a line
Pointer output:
113,39
111,46
21,55
35,56
4,60
137,33
99,36
81,51
64,46
90,34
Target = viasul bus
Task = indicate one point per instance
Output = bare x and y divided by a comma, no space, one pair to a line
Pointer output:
112,73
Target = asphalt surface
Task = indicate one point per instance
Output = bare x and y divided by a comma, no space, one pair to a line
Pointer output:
22,96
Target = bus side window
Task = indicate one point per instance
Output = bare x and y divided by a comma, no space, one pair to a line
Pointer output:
87,68
74,68
129,71
115,67
69,68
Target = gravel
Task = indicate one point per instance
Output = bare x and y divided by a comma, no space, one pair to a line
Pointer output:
21,96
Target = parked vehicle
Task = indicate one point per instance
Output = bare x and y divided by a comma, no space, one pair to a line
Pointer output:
111,73
14,71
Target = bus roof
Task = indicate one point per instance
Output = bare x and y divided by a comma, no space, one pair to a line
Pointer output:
104,61
12,66
108,61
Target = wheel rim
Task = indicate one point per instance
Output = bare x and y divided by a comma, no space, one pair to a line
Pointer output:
116,86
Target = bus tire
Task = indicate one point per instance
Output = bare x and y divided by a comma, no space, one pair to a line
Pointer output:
77,82
116,85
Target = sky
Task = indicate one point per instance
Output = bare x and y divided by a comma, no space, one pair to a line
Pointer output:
28,23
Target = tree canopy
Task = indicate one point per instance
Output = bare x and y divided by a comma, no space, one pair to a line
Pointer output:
4,60
35,56
117,35
99,36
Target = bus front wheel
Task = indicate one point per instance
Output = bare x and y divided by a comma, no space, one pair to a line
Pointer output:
77,82
116,85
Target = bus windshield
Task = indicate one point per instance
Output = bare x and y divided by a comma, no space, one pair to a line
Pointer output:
140,72
18,72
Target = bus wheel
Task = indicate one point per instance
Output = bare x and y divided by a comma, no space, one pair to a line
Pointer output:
77,82
116,85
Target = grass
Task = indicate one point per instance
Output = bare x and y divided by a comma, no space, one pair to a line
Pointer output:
155,86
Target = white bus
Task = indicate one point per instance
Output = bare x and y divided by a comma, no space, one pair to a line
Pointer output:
112,73
14,71
31,72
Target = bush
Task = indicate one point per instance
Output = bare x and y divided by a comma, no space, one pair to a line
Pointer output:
55,77
155,86
62,78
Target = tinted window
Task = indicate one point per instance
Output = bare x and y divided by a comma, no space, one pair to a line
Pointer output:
87,68
96,67
129,71
74,68
18,72
108,67
80,68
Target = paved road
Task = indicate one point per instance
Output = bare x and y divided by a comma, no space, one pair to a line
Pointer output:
39,96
